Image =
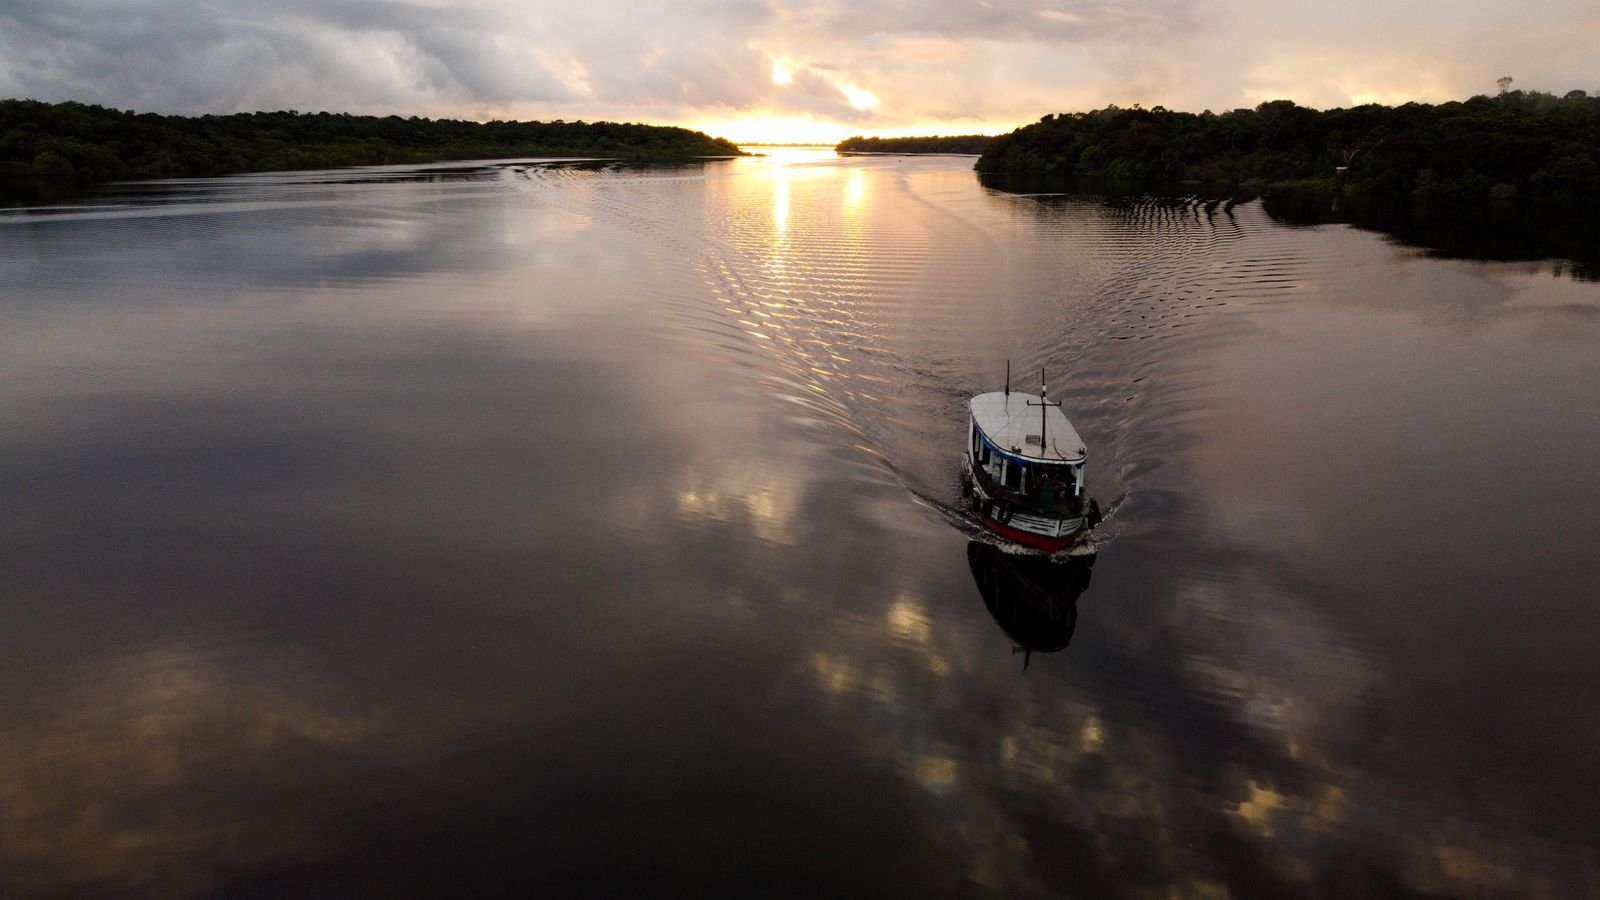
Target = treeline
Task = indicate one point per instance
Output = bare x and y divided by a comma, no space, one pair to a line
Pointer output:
1518,145
91,143
964,143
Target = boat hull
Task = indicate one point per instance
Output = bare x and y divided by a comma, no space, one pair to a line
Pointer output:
1036,541
1030,528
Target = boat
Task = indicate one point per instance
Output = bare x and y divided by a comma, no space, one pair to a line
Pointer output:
1023,470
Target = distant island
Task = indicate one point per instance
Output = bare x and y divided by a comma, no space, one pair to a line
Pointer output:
1517,146
964,143
91,143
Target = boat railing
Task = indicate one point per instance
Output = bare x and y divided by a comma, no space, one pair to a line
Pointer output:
1063,504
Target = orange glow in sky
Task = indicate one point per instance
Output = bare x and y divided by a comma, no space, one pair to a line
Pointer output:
792,70
800,130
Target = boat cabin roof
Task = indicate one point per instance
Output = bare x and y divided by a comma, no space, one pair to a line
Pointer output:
1012,423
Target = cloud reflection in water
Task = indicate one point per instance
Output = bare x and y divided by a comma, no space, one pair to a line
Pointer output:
471,539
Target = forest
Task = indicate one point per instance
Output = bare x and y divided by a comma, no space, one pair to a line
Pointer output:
1517,146
964,143
91,143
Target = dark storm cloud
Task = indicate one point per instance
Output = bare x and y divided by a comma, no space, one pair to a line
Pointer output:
176,56
978,20
369,56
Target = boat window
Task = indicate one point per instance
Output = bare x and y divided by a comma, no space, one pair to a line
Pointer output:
1014,477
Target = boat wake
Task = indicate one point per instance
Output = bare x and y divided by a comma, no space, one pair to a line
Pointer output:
876,297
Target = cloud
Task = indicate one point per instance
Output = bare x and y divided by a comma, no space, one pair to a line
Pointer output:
993,62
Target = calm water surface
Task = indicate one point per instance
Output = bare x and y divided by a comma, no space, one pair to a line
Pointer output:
529,526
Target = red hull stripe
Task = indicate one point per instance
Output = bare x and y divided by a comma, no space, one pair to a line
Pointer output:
1029,539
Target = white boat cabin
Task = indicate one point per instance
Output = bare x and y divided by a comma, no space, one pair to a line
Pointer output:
1026,446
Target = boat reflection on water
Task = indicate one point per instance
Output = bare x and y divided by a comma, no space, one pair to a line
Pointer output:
1033,600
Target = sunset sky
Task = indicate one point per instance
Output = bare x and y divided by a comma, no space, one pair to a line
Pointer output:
784,70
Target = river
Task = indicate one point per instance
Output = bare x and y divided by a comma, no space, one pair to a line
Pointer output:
593,529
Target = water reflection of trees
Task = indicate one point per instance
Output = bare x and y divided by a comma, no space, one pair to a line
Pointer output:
1033,600
1502,232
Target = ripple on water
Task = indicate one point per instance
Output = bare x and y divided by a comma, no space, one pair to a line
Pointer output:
878,298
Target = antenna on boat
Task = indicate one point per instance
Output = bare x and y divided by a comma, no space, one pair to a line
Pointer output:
1044,402
1008,378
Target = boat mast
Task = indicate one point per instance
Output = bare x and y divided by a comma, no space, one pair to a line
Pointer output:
1044,402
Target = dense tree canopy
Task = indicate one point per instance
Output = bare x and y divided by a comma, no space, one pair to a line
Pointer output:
91,143
1516,145
964,143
